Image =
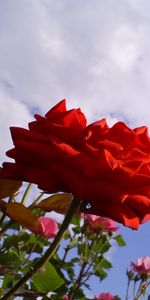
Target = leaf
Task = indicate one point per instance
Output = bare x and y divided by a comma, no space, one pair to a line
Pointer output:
105,247
9,259
14,240
20,214
48,279
7,282
100,273
76,220
106,264
100,244
120,241
73,243
71,273
9,187
58,203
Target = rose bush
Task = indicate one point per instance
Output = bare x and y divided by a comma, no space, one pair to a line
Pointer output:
106,167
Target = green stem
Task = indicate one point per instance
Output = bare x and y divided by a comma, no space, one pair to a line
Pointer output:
77,283
138,294
127,291
36,200
84,263
26,193
49,253
67,249
134,286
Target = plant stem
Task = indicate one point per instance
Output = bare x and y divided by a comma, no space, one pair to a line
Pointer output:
134,286
33,205
127,292
49,253
67,249
138,294
77,282
26,193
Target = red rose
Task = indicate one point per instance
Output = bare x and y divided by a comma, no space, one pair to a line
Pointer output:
106,167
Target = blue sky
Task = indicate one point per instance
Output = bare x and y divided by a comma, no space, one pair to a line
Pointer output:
96,54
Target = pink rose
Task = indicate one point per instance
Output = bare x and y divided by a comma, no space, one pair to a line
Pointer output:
47,227
65,297
96,222
105,296
142,265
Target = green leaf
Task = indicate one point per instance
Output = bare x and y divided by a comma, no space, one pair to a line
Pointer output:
120,241
7,282
66,235
71,273
14,240
105,247
100,273
106,264
76,230
73,243
9,259
48,279
83,250
75,220
100,244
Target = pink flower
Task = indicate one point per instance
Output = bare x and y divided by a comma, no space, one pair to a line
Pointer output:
142,265
96,222
105,296
65,297
47,227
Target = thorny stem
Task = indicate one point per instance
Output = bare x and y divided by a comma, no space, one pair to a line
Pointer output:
48,254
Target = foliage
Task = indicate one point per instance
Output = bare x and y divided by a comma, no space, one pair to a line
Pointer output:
82,253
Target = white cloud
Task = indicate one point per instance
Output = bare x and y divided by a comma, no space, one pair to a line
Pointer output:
126,48
13,113
94,54
97,55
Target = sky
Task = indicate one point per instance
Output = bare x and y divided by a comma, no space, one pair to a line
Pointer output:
96,54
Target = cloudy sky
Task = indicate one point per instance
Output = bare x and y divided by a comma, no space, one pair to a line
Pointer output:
96,54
